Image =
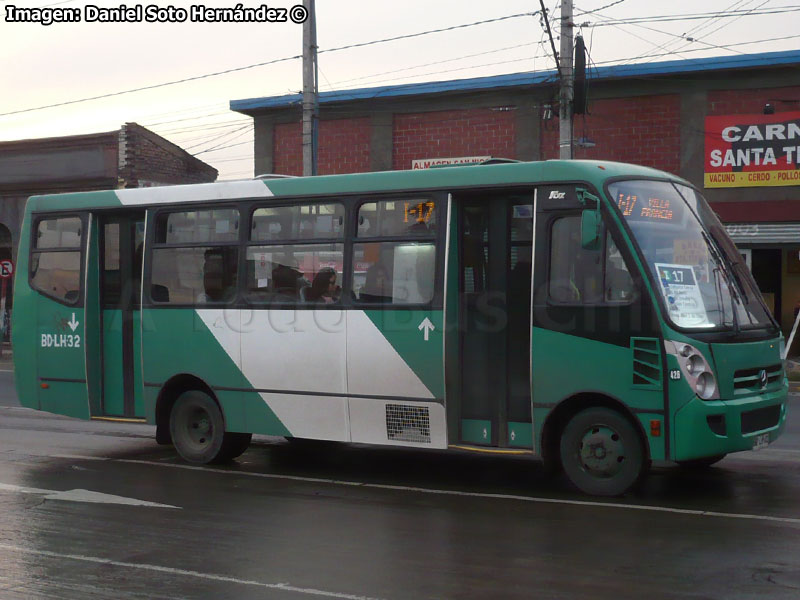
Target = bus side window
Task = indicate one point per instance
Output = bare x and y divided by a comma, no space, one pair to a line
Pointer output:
55,268
195,258
619,286
387,270
295,254
575,273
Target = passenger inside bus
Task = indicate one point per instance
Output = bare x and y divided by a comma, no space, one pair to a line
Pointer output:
217,284
378,285
323,289
286,282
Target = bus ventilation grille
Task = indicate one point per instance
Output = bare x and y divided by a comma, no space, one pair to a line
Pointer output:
646,363
408,423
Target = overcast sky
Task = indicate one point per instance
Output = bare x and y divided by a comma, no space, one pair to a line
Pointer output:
46,65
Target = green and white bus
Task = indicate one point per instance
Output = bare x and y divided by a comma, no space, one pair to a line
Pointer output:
593,314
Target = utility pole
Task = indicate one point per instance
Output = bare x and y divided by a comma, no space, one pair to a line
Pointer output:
566,92
310,90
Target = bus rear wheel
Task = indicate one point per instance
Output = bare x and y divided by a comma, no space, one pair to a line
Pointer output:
601,452
198,431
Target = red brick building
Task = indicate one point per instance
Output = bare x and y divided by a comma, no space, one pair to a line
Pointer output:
655,114
130,157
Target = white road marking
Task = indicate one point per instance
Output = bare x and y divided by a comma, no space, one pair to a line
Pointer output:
79,495
533,499
172,571
78,456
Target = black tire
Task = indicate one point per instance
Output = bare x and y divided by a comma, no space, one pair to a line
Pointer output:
198,430
233,446
602,453
701,463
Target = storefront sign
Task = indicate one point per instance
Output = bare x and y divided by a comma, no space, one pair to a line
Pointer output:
752,150
427,163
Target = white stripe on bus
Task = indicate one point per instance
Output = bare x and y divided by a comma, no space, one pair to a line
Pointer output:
203,192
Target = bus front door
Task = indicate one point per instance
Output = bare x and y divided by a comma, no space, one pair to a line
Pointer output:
494,320
120,273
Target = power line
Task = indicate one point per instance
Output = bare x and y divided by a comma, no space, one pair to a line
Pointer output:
698,16
223,147
438,62
550,34
602,8
691,35
228,137
262,64
492,64
152,87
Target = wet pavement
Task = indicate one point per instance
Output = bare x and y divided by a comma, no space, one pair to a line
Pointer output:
98,510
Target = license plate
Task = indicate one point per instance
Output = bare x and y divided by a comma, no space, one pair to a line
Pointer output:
761,442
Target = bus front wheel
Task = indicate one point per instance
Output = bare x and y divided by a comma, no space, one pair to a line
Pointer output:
198,430
601,452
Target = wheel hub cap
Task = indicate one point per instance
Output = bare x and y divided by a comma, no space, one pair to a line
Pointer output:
602,452
200,428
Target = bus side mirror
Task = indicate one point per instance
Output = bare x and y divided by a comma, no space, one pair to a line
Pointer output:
590,229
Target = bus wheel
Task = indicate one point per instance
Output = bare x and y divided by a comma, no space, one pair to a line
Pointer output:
701,463
601,452
198,430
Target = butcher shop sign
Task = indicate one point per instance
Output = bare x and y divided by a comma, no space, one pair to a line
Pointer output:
752,150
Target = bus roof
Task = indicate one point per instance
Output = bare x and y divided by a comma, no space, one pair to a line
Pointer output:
447,178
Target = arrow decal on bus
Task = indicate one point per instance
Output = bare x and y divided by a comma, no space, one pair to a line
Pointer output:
73,324
426,327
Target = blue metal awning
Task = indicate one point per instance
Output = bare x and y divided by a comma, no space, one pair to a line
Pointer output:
739,61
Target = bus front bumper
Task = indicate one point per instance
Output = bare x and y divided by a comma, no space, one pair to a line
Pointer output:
710,428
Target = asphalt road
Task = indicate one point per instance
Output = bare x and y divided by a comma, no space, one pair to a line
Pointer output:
8,396
98,510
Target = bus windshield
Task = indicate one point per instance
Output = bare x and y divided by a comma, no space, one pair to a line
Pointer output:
695,265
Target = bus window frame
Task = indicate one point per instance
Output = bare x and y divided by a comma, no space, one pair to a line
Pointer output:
36,219
623,250
437,239
150,246
249,243
351,202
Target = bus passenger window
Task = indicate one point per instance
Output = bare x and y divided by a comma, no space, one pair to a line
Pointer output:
294,273
194,275
394,272
414,216
200,263
54,271
304,221
575,273
198,226
57,274
391,271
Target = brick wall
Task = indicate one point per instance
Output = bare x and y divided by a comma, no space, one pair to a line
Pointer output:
287,149
744,102
443,134
643,130
344,146
148,159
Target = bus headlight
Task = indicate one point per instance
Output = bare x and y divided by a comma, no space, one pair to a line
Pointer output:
706,386
695,368
695,365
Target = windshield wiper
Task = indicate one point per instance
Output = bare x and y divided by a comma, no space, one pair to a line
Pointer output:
722,267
